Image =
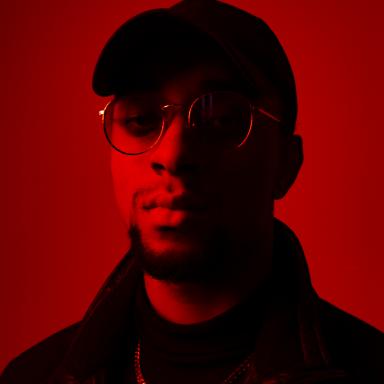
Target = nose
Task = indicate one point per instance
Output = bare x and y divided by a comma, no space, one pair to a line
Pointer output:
176,153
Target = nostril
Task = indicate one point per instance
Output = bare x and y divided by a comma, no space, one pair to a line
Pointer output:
157,167
180,169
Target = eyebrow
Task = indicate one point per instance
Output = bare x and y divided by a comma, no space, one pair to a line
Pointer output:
207,85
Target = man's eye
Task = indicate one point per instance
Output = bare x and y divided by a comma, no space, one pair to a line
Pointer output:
140,125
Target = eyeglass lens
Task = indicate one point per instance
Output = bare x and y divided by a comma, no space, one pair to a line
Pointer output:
220,119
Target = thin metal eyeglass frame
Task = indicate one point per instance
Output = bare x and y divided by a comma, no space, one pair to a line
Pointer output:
164,107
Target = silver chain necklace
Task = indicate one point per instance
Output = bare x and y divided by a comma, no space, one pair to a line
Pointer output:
232,378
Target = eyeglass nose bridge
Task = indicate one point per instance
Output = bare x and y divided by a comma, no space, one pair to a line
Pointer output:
171,110
186,109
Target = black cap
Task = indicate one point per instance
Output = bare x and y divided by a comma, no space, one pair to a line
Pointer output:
129,56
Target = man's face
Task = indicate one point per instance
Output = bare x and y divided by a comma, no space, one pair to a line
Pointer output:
194,209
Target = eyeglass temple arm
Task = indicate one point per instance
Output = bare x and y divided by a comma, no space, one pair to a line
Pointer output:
268,114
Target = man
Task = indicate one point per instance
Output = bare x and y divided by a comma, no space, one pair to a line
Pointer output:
213,288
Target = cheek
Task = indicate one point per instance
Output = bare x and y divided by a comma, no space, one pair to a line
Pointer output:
249,190
128,177
248,181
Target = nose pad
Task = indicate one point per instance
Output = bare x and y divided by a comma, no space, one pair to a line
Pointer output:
176,152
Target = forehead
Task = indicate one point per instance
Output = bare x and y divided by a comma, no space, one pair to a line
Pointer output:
206,76
184,83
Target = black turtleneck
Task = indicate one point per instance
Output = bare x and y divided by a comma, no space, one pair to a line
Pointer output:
204,353
265,324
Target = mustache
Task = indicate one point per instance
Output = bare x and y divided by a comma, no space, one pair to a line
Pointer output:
161,198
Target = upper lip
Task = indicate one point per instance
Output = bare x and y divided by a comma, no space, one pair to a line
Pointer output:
183,201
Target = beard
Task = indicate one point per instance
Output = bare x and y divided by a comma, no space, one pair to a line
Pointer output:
213,262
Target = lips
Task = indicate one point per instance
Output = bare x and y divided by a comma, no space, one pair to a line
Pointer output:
183,202
183,211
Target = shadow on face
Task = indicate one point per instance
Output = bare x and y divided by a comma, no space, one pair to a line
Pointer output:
195,208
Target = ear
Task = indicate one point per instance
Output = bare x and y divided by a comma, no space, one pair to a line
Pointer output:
290,161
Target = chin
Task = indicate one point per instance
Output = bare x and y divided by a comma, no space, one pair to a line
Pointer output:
177,259
173,243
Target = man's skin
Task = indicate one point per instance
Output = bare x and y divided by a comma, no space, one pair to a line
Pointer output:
204,260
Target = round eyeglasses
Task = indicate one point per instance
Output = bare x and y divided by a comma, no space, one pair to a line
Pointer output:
222,118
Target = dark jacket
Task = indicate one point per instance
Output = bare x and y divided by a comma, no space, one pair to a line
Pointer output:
335,347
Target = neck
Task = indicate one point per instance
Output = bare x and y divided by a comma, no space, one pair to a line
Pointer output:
192,303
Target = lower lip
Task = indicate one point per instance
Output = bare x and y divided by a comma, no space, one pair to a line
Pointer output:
173,218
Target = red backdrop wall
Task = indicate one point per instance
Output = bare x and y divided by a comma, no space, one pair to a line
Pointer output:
60,230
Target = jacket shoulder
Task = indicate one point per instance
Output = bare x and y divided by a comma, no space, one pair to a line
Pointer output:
352,343
37,363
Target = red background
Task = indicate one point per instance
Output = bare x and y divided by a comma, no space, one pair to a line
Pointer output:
60,230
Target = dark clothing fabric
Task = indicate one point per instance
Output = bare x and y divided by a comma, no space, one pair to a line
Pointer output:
207,352
295,336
